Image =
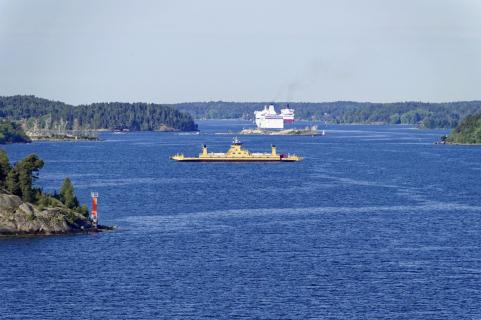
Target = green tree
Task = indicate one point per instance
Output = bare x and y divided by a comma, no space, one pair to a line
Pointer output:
11,132
67,194
395,118
468,131
4,167
27,170
12,184
83,210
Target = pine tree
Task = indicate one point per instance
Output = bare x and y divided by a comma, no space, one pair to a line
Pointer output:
11,183
4,167
83,210
67,194
27,169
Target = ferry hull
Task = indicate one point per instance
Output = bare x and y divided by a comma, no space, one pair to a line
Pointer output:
234,160
237,154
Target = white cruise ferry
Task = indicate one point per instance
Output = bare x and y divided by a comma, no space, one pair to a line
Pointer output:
270,119
288,115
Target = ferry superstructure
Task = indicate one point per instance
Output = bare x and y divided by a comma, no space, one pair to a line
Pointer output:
268,118
288,115
237,154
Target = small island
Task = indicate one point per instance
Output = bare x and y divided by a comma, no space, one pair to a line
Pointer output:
307,131
467,132
56,118
27,210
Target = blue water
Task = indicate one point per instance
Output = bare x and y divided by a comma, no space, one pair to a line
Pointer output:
376,223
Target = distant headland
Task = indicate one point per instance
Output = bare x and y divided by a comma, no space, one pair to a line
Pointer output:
467,132
58,119
41,114
421,114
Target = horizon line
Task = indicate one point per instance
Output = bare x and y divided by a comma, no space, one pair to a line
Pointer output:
246,102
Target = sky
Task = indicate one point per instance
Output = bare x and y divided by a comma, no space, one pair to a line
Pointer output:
167,51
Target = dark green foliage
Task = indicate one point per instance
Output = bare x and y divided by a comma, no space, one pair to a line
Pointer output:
145,116
67,194
134,116
69,199
426,115
4,167
11,132
27,170
468,131
12,183
83,210
19,180
116,115
45,200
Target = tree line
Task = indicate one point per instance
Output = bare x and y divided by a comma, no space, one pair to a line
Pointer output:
57,115
113,115
426,115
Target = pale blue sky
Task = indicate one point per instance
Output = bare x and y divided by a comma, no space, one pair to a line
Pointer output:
81,51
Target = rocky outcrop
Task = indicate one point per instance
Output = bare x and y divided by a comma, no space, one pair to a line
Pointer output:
18,217
307,131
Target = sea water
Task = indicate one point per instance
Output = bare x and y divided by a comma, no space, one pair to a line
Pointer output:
377,222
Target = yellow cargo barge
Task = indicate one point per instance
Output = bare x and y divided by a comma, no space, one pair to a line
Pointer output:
237,154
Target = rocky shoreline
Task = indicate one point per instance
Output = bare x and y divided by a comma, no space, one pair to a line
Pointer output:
22,218
307,131
65,136
63,139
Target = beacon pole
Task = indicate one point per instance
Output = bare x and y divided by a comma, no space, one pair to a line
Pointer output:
93,214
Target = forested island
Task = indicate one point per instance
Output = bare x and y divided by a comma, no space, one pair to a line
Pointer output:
424,115
42,114
467,132
26,209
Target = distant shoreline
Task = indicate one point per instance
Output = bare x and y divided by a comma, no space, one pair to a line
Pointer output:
461,144
308,131
63,139
336,124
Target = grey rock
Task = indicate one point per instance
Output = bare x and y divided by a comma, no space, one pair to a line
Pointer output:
18,217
